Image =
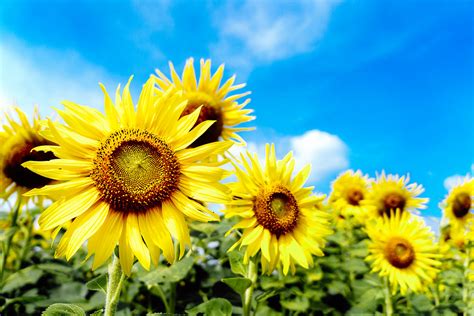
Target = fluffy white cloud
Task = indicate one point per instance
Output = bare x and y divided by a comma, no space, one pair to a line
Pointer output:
451,181
326,153
252,32
38,75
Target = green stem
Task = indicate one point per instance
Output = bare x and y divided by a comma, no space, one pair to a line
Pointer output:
466,283
388,298
114,286
162,296
247,299
26,246
14,224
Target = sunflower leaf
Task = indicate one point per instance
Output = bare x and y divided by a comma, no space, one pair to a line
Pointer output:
63,310
214,307
98,284
239,285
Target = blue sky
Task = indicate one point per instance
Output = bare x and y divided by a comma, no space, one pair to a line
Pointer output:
370,85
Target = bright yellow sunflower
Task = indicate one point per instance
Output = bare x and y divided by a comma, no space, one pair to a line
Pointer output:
391,192
129,177
17,140
459,203
216,104
402,248
278,215
348,193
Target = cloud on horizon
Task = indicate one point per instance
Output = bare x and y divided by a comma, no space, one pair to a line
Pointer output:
452,181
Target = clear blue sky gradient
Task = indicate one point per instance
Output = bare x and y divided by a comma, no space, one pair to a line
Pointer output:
393,79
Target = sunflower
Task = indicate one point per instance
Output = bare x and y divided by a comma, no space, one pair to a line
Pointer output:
392,192
402,248
129,177
278,215
459,203
17,143
348,193
216,104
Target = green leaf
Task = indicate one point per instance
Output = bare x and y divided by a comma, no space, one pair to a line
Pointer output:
20,278
239,285
214,307
356,265
421,303
98,284
98,312
64,310
236,259
206,228
174,273
338,287
55,268
300,303
266,295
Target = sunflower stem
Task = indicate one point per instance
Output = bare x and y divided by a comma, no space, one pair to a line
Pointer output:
14,225
247,299
388,298
26,246
466,283
114,286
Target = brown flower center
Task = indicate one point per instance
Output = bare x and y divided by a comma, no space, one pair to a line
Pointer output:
461,205
354,196
208,112
276,209
399,252
135,170
392,201
22,153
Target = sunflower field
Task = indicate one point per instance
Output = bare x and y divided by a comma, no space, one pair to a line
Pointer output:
156,207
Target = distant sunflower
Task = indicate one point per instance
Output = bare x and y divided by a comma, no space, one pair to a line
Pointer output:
17,143
459,203
128,177
278,215
402,248
216,104
348,193
391,192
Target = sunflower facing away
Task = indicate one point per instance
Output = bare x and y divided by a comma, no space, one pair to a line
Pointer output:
458,205
216,104
348,193
17,141
129,177
391,192
278,215
402,248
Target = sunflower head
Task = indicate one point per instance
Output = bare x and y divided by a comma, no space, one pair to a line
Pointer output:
392,192
459,203
402,249
129,177
349,191
279,216
18,145
213,98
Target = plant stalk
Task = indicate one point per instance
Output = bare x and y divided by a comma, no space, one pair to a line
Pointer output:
388,298
114,286
247,299
14,224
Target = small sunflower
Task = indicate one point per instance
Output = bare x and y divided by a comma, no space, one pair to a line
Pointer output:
18,140
348,193
278,215
402,248
391,192
459,203
129,178
216,104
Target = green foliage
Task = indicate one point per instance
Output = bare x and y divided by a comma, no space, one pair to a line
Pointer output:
214,307
63,310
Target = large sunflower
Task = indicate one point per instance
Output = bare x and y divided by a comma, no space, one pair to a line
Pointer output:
459,203
348,193
17,140
278,215
129,177
391,192
213,97
402,248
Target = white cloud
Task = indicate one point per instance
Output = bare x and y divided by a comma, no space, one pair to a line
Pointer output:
451,181
326,152
38,75
259,32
